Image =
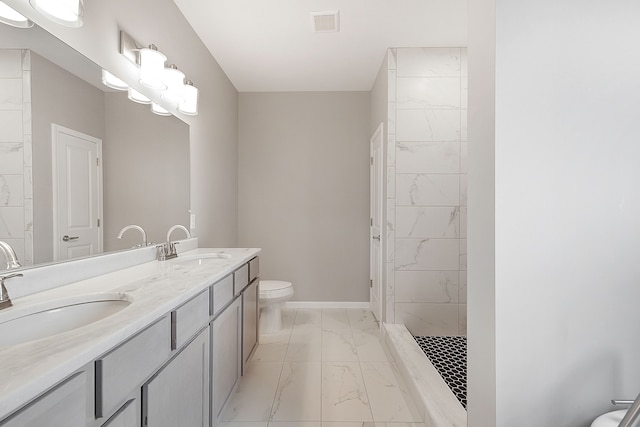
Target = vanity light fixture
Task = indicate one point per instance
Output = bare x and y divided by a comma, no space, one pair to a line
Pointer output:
159,109
152,67
174,79
10,16
136,96
65,12
190,104
112,81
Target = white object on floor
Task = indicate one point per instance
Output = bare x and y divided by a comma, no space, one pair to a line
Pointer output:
610,419
272,296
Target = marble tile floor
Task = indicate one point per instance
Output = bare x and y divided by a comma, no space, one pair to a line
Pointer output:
326,368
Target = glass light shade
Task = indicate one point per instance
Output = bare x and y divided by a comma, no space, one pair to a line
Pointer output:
64,12
152,68
10,16
190,104
174,79
112,81
136,96
159,110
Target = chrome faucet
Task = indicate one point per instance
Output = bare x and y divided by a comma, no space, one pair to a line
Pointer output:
5,301
135,227
10,256
632,416
168,249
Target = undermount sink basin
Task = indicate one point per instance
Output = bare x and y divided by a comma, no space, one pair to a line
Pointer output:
44,320
610,419
201,259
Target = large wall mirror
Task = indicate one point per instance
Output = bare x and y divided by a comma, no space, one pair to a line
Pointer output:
54,110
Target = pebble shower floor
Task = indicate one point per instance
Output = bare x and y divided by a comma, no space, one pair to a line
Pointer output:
449,356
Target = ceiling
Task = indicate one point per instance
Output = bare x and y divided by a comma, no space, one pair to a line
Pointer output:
269,46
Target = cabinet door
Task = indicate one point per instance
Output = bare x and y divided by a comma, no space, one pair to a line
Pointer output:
249,321
178,395
63,406
127,416
226,355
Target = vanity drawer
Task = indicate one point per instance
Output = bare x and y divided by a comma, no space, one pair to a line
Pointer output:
189,318
125,368
240,279
254,269
222,294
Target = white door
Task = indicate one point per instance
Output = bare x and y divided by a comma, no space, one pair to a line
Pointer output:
376,253
77,194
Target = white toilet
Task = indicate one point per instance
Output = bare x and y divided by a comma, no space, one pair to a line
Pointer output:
272,296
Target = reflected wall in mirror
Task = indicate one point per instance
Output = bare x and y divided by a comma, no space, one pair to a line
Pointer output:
145,158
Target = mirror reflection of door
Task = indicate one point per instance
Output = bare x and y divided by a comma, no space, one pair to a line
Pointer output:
77,193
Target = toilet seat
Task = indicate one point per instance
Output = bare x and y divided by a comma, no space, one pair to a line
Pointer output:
269,289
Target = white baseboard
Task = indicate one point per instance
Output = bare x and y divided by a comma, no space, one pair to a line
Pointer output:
325,304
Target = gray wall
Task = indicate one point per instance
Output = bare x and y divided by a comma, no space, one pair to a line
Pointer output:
71,103
560,272
213,133
145,172
303,190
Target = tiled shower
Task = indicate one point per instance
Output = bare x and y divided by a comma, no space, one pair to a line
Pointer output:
426,190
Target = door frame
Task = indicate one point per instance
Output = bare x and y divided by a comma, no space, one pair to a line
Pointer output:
57,129
383,236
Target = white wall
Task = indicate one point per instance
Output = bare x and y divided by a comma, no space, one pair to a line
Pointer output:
213,133
567,210
303,190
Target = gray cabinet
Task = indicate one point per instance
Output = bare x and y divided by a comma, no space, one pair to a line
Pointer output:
127,416
178,395
249,321
63,406
227,354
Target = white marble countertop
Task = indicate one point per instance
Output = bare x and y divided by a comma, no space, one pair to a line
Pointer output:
154,288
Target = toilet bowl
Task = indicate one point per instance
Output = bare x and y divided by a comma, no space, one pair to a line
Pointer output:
272,294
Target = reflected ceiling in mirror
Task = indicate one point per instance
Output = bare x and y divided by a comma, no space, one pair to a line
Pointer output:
49,93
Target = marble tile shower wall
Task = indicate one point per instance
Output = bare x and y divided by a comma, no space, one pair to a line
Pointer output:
426,190
16,190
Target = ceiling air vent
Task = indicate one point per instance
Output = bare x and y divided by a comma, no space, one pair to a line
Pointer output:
326,22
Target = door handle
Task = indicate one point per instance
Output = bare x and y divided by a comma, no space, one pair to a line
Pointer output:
66,238
376,237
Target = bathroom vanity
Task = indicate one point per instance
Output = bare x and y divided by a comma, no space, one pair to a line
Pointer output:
169,355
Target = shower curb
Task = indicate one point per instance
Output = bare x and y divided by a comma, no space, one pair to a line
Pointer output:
437,404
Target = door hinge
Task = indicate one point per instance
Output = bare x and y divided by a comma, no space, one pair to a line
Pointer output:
371,219
97,161
98,222
371,283
371,161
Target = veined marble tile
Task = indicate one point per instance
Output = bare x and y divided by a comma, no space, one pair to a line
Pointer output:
26,87
391,216
463,254
370,345
11,128
28,248
463,222
28,182
348,424
428,93
391,150
11,190
462,319
391,247
392,90
428,157
335,318
429,62
427,222
308,318
463,189
391,183
427,254
392,58
388,396
273,347
299,396
362,319
427,190
26,120
464,136
428,318
464,62
400,425
25,55
11,158
344,396
11,222
391,115
462,293
305,345
28,214
338,346
243,424
464,155
464,93
11,94
253,398
427,286
27,150
10,63
428,125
